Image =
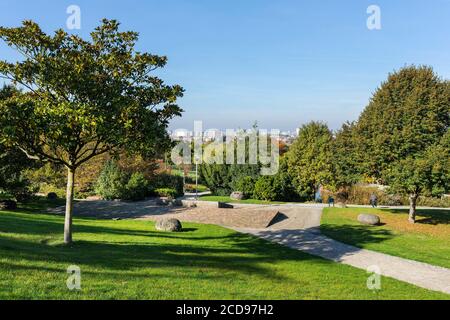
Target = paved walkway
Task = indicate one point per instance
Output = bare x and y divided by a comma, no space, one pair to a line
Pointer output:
303,234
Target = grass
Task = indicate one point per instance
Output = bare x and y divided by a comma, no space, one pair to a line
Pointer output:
428,240
228,199
129,259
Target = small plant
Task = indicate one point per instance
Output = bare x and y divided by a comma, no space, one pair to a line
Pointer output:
137,187
246,185
166,192
111,183
266,189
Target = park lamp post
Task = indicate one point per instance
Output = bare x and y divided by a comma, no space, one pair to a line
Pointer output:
196,158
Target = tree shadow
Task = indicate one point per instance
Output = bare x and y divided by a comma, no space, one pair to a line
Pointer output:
227,251
428,216
357,235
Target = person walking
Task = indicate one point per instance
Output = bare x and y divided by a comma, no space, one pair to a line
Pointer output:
373,200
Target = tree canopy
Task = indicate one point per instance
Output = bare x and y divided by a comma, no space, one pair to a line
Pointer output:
83,98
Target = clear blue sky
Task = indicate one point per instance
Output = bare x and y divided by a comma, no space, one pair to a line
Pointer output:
281,63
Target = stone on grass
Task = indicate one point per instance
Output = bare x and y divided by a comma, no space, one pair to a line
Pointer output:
172,225
370,219
8,205
224,205
237,195
52,196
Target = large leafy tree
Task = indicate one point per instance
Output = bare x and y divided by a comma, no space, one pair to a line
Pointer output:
424,174
408,113
406,120
310,158
84,98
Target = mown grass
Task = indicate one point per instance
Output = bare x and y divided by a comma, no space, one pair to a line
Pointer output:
229,200
129,259
428,240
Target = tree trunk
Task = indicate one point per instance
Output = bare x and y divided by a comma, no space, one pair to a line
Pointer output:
69,206
412,208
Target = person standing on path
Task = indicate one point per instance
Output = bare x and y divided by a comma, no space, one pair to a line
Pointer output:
373,200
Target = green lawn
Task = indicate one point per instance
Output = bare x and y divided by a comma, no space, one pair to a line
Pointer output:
129,259
428,240
228,199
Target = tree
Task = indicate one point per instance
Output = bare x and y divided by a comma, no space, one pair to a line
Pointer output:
13,162
427,174
406,116
345,165
310,158
408,113
84,98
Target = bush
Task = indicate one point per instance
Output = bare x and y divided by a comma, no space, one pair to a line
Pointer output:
166,192
266,189
246,185
137,187
167,181
111,183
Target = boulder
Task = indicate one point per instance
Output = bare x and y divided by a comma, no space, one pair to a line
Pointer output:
172,225
370,219
237,195
8,205
224,205
52,196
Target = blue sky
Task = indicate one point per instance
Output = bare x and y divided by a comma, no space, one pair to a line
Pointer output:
281,63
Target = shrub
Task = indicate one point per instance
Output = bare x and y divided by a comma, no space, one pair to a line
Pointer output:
246,185
266,188
166,192
111,183
167,181
137,187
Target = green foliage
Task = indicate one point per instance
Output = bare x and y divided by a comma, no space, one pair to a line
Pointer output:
407,114
167,181
309,159
137,187
111,183
84,98
246,185
267,188
166,192
344,161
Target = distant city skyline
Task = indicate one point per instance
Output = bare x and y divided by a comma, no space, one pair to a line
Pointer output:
281,63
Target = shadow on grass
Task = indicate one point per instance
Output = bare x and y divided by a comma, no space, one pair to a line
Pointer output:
228,251
428,216
355,234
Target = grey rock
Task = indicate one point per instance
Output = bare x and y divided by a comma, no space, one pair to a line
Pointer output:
224,205
8,205
370,219
237,195
172,225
